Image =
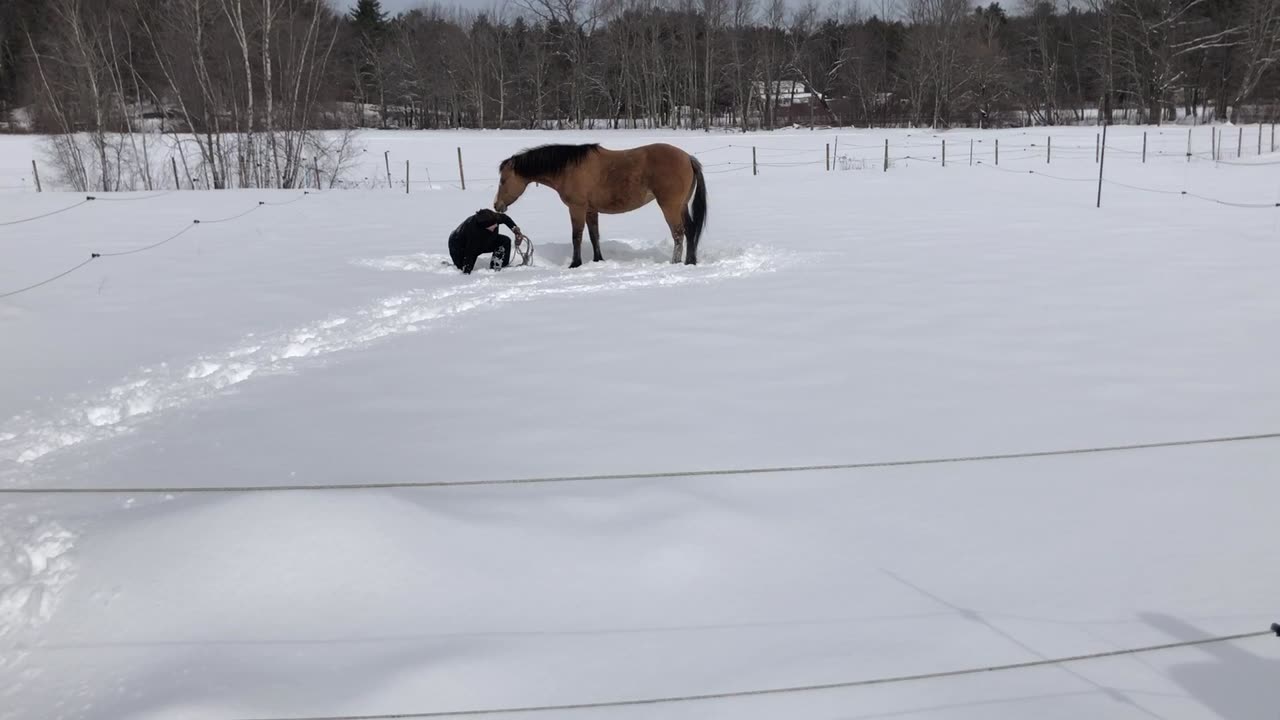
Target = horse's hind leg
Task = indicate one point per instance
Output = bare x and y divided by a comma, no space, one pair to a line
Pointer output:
674,215
593,227
578,216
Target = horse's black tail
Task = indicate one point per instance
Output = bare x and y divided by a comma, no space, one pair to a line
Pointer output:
696,220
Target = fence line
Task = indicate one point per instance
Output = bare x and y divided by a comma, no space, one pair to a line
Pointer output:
152,246
46,281
1158,191
133,199
925,140
917,149
798,689
123,253
637,476
1034,172
45,215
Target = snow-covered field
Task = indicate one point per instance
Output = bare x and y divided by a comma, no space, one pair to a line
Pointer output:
837,317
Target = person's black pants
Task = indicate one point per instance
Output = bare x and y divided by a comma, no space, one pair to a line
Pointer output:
464,252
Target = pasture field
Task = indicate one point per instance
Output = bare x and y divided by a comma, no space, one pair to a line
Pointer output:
844,316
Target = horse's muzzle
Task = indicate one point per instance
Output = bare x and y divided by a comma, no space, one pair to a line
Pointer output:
499,206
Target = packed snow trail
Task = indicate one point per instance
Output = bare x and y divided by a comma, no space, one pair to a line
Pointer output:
124,406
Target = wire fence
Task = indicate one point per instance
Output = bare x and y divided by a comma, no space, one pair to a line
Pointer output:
929,149
852,152
42,216
668,475
94,256
800,689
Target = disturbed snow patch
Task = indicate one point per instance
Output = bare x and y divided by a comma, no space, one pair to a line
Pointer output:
27,438
417,262
35,565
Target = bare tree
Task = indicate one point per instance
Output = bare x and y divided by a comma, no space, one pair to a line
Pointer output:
938,36
1259,45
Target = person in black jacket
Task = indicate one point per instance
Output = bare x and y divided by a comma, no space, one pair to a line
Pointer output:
478,235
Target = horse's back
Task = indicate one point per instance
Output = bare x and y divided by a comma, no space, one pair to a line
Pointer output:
625,180
665,153
670,170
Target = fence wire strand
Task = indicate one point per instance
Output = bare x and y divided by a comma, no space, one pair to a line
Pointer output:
963,459
1158,191
69,208
133,199
152,246
145,248
798,689
46,281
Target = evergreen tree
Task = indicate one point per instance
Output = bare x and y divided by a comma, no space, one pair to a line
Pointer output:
368,19
370,26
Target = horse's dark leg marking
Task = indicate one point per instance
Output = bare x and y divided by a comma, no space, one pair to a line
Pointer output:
593,227
578,216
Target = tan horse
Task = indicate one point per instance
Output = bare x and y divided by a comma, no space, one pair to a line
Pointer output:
593,180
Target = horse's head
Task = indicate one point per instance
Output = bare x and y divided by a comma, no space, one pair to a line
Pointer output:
511,186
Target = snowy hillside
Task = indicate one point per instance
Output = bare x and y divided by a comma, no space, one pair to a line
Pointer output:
843,316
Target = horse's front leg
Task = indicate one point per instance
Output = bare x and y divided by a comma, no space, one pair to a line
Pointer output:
578,216
593,227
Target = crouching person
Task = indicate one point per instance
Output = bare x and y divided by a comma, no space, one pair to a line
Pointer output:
478,235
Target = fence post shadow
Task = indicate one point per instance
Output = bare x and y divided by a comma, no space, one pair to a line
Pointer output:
1231,681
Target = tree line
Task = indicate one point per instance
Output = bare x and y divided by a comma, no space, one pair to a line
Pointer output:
268,72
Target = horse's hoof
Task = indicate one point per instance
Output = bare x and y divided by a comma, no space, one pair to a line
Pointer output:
574,264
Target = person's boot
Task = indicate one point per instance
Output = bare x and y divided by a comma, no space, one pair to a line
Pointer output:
496,261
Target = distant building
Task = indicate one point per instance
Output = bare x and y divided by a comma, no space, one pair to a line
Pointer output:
793,102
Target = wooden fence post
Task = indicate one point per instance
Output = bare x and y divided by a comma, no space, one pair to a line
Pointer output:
174,162
829,155
1048,152
461,175
944,152
754,168
970,152
406,177
886,155
1240,143
1102,158
1144,148
35,172
386,157
1097,145
1188,144
997,151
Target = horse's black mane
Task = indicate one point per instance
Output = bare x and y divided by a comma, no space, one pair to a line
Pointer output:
547,159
